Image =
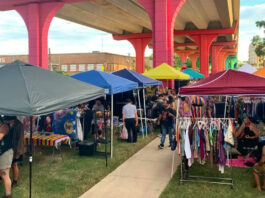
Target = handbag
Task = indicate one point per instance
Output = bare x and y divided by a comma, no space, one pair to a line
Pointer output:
124,133
229,134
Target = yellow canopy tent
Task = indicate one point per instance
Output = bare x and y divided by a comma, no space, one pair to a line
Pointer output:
260,72
166,72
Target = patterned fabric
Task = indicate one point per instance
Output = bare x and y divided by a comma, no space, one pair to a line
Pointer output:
259,169
64,123
50,140
197,100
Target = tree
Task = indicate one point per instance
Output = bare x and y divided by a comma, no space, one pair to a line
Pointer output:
259,42
177,61
260,24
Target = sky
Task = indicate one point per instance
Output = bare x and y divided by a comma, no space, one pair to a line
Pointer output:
67,37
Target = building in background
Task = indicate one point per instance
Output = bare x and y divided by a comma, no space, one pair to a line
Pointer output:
253,59
79,62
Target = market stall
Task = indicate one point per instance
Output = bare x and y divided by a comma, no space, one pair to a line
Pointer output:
260,72
28,90
166,72
247,68
111,83
225,83
193,74
143,82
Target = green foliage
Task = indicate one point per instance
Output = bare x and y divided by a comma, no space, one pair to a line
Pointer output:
177,61
62,72
259,42
256,40
151,57
260,24
189,65
147,67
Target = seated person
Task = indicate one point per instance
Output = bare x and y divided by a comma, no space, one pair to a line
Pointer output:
259,167
247,136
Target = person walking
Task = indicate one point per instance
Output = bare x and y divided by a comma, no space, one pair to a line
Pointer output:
130,120
166,120
16,127
6,156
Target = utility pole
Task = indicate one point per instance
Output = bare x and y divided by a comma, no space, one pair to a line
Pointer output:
50,61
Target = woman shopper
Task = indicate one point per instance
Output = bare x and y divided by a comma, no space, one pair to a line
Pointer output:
6,157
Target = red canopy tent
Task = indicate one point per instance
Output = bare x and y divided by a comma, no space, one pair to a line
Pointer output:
228,82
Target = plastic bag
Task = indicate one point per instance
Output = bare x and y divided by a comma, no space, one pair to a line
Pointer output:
124,133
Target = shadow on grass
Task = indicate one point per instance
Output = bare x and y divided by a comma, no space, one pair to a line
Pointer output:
74,176
243,182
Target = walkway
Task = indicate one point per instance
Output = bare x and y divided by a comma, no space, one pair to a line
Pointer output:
145,174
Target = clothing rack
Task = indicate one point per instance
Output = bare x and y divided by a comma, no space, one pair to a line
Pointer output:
205,179
203,118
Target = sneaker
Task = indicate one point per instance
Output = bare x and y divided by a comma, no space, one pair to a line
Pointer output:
160,146
7,196
14,184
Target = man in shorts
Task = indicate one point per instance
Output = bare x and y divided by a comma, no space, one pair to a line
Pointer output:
6,157
16,127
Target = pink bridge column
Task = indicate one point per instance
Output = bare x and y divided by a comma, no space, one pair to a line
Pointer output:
38,17
139,45
215,50
204,42
163,14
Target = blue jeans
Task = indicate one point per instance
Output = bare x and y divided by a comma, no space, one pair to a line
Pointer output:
166,129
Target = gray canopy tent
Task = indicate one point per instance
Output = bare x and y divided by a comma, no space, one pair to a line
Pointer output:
28,90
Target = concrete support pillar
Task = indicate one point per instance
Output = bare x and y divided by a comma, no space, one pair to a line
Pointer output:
221,61
204,42
183,55
139,45
162,14
193,58
37,17
215,50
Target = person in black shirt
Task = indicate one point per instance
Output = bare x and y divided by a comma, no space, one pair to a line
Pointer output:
166,120
247,135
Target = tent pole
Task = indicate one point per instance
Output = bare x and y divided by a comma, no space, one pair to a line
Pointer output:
145,111
111,124
30,157
140,112
174,152
225,106
105,129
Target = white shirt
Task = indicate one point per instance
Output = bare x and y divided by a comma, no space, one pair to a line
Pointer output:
129,110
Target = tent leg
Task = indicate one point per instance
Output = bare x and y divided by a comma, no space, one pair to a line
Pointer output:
111,125
173,154
105,129
30,157
146,128
140,112
225,106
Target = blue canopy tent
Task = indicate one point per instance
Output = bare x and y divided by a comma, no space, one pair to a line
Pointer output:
111,83
143,81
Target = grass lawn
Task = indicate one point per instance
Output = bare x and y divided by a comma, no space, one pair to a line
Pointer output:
74,176
243,182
